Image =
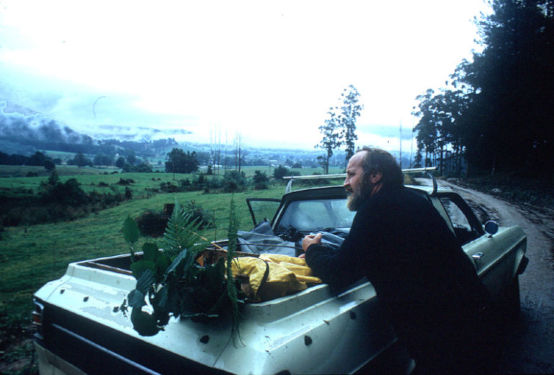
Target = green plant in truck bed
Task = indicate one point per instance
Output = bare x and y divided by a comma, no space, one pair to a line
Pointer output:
173,282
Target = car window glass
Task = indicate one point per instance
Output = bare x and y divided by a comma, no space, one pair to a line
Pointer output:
263,209
462,227
317,214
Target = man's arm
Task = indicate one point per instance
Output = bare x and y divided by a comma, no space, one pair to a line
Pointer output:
340,267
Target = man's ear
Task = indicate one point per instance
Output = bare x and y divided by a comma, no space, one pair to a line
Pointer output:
375,177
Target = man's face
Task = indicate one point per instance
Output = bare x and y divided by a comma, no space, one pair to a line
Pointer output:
354,182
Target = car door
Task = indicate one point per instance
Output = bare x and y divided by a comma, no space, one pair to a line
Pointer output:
488,253
262,209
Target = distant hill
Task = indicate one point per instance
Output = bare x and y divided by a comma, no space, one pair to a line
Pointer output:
24,131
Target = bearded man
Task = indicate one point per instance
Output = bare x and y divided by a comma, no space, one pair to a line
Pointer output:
423,279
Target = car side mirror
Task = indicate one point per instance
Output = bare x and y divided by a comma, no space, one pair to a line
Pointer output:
491,227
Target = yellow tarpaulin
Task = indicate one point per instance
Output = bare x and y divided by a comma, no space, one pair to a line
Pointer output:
273,275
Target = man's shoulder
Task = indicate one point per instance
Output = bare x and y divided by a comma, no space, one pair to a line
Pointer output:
402,195
387,199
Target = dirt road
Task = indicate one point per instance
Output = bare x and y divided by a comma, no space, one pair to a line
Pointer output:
529,344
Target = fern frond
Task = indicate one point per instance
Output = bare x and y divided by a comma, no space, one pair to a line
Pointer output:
231,286
181,233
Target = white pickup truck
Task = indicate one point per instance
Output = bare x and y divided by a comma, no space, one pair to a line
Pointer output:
82,330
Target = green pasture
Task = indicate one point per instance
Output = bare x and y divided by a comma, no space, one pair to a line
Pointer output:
8,171
14,177
92,179
31,256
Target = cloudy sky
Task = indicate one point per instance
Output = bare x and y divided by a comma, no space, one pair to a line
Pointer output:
268,70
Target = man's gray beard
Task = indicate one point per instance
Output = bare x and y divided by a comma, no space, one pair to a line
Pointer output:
356,199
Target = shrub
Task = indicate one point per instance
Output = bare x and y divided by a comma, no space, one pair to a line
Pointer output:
281,172
201,216
152,223
234,181
168,187
260,180
184,184
55,201
125,182
128,193
66,193
213,183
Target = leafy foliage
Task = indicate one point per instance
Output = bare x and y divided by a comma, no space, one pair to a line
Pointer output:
102,159
80,160
234,181
180,161
340,127
181,234
260,180
350,110
231,286
173,282
152,224
331,138
38,158
199,215
67,193
280,172
498,110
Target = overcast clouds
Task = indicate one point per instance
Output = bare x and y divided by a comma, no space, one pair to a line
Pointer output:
267,69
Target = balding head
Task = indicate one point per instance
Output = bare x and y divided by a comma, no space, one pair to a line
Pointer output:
380,161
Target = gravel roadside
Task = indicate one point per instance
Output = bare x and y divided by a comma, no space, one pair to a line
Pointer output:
529,344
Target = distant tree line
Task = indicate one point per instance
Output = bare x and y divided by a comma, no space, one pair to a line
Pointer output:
37,159
55,201
497,112
185,161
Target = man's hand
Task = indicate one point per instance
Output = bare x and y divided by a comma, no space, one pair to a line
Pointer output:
310,239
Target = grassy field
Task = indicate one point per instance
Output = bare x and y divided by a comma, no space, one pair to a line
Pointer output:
13,177
30,256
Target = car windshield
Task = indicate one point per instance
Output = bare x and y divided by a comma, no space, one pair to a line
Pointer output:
316,214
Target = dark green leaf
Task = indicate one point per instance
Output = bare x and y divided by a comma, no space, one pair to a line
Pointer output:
140,266
146,280
162,263
178,259
150,251
136,298
143,323
130,230
162,298
215,274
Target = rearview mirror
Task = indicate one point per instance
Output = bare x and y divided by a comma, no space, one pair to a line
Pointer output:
491,227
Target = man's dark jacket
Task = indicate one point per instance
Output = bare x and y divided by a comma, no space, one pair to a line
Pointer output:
423,279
